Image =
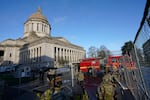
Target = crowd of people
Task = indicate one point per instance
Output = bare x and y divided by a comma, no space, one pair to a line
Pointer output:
107,89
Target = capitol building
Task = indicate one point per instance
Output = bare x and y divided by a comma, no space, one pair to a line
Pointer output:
38,48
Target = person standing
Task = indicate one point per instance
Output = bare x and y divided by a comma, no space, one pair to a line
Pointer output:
106,90
80,77
80,81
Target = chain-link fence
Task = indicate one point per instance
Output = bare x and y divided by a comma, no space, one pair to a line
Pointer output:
138,79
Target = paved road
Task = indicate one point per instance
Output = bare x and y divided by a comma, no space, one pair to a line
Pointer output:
23,91
11,93
127,95
91,84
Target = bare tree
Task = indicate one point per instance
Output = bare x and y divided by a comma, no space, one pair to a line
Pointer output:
92,52
101,54
104,51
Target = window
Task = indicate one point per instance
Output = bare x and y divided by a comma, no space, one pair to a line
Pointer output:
10,55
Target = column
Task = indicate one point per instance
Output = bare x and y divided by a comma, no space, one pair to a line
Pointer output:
56,54
25,28
33,53
40,27
37,27
40,53
30,27
37,55
29,55
69,55
60,53
48,29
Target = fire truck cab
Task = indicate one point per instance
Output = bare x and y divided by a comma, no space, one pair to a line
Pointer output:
89,63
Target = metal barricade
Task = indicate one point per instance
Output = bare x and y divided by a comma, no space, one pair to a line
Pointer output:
137,80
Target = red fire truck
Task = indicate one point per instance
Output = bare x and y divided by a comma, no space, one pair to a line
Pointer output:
117,61
87,63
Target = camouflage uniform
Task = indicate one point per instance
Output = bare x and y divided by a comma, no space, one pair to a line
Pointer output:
80,77
106,90
45,96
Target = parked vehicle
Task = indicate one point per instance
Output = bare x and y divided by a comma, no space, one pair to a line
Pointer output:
7,68
117,61
89,63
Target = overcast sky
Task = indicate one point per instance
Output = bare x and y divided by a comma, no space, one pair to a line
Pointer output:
82,22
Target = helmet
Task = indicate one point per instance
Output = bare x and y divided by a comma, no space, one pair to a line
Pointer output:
107,78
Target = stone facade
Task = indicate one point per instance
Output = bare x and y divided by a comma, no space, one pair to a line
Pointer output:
37,48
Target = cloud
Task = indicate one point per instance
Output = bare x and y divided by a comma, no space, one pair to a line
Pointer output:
59,19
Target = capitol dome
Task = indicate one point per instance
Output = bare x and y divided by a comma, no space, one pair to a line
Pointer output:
38,23
38,15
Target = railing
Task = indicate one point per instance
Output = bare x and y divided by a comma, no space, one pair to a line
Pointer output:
138,79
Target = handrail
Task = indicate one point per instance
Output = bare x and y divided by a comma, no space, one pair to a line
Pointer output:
122,86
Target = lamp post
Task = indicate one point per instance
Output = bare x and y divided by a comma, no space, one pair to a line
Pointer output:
72,75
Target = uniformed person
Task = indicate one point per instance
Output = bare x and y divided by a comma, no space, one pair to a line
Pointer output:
80,77
106,90
80,82
45,96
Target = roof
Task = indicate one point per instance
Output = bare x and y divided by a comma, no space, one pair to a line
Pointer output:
61,39
38,15
11,43
51,40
